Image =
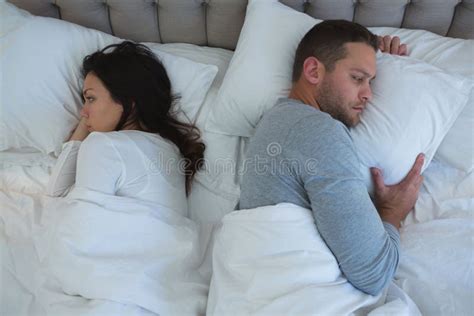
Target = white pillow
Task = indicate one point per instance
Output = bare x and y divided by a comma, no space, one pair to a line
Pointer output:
42,59
414,105
260,72
12,17
452,55
40,101
190,80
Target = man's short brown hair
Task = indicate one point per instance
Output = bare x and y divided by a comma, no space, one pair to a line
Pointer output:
326,41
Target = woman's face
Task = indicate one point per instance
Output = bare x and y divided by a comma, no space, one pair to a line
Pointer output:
102,113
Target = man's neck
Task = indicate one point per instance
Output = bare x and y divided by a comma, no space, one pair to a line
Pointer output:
302,96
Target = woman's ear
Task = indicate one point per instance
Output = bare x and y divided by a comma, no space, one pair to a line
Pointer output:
313,70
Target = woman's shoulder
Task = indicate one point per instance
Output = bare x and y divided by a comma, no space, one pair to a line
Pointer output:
126,142
106,138
97,143
145,138
98,148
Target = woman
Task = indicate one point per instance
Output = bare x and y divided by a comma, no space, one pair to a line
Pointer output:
128,142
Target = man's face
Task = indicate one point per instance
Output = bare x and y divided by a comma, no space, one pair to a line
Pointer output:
344,92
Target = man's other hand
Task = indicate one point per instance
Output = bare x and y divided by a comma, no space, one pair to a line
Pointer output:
394,202
391,45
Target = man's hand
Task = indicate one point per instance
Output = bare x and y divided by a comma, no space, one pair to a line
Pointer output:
81,131
390,45
395,202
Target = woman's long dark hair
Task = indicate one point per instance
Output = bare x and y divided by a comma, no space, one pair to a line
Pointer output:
137,80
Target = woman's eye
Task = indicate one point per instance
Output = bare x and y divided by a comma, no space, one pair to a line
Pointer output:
90,99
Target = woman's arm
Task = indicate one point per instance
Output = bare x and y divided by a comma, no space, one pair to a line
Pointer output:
81,131
63,175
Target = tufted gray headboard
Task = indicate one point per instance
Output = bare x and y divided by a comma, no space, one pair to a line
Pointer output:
218,22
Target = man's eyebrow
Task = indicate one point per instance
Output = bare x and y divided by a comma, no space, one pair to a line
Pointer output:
366,74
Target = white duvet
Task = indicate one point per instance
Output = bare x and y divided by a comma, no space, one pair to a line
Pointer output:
123,250
96,254
271,260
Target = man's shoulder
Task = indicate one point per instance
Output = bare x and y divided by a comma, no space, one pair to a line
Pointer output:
297,125
293,107
317,125
319,134
323,124
291,113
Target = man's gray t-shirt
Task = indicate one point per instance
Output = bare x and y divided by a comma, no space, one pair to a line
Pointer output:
303,156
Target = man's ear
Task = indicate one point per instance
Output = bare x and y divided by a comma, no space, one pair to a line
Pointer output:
312,70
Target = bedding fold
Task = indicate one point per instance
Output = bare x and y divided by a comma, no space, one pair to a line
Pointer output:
122,250
271,260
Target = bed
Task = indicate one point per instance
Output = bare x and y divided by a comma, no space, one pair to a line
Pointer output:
435,271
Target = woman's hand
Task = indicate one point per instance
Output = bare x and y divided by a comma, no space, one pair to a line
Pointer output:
81,131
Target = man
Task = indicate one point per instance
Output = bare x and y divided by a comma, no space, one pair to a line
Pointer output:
334,65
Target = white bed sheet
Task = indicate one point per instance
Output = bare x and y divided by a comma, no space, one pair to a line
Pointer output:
437,242
434,260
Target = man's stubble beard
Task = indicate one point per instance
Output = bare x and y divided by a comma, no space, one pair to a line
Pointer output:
331,102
